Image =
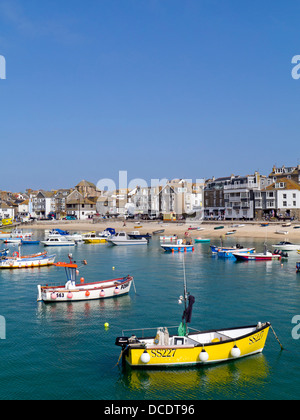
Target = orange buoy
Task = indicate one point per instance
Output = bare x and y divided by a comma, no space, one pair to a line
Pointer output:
82,280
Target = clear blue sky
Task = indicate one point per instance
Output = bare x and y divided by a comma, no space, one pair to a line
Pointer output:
160,88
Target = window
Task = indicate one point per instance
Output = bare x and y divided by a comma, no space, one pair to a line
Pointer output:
285,204
294,203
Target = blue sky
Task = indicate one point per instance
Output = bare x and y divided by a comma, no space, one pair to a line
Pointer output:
160,88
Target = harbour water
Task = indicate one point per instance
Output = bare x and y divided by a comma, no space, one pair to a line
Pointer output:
62,350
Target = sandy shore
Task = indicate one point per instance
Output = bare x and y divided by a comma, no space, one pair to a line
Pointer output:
248,230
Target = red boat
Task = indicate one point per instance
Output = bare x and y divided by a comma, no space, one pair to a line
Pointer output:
267,256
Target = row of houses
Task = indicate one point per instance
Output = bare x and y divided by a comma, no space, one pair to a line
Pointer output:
233,197
254,196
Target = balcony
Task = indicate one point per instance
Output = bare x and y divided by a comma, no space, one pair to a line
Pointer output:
248,186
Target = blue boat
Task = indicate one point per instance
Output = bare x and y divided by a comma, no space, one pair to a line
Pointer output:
138,235
29,242
179,246
4,252
59,232
215,249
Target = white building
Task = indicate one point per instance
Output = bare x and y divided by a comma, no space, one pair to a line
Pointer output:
240,195
6,211
282,199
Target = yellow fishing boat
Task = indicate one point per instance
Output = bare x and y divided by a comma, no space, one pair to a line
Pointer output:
197,348
190,348
93,238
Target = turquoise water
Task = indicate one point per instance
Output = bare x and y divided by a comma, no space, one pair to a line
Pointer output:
62,350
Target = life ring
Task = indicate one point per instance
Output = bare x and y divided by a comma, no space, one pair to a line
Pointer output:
16,254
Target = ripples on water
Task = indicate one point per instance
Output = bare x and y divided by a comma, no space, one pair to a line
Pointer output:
62,351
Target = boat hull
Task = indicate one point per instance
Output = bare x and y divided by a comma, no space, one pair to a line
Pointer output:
128,242
52,244
190,355
256,257
229,253
287,247
20,263
178,248
95,241
90,291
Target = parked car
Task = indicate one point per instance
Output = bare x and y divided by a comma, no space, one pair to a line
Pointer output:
73,217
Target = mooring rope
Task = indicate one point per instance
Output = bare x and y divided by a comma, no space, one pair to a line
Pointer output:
282,348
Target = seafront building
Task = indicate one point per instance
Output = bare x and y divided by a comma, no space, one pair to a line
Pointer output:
234,197
281,199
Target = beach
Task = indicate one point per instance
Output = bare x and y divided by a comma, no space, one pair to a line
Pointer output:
206,230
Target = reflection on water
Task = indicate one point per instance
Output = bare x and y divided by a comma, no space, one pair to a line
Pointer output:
186,383
80,310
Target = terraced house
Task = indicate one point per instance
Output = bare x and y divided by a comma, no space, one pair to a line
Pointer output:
281,199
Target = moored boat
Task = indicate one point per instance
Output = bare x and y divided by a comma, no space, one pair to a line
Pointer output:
157,232
122,239
138,235
286,246
194,349
18,233
58,233
57,241
71,291
231,232
181,245
94,238
169,238
228,253
222,251
29,242
30,261
298,267
201,240
12,241
185,348
264,256
4,235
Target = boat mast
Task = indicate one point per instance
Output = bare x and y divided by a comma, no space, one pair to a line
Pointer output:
185,294
185,284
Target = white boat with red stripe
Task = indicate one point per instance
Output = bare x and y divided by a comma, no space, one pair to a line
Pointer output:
71,291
